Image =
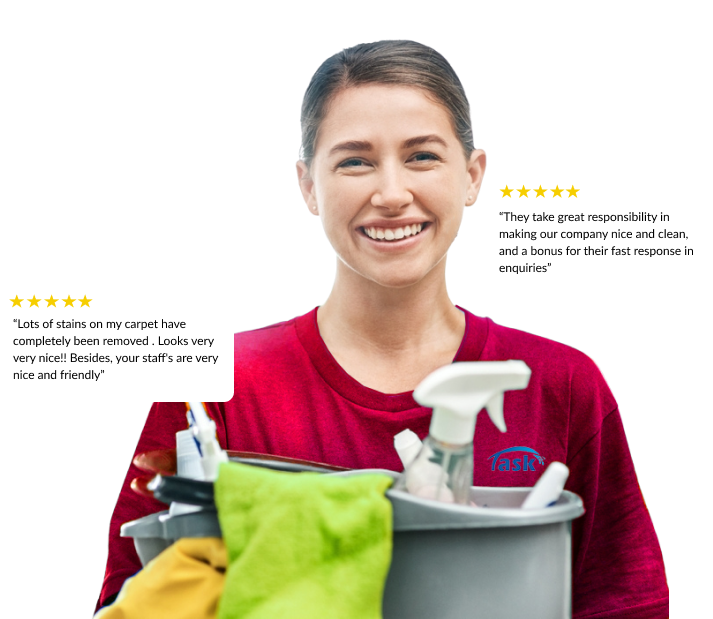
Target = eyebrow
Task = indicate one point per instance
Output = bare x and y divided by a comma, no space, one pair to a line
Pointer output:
357,145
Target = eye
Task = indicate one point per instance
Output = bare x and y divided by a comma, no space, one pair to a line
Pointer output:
425,157
351,163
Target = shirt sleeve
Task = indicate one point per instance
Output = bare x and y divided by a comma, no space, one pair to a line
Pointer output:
618,568
164,420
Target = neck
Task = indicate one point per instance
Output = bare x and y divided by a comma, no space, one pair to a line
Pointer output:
360,314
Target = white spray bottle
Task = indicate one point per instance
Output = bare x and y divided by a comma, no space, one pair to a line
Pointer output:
443,469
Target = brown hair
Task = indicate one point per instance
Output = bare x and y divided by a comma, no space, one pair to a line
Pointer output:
404,63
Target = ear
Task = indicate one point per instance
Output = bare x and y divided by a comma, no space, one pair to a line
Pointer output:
476,169
307,187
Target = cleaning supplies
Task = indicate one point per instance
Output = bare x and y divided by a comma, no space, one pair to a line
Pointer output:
188,465
303,546
500,560
548,488
425,478
184,582
407,445
203,428
443,469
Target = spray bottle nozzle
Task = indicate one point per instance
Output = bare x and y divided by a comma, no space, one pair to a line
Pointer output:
458,392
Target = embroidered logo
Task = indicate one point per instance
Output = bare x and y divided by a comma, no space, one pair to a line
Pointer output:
526,463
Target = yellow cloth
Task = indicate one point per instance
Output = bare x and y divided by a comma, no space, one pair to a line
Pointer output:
184,582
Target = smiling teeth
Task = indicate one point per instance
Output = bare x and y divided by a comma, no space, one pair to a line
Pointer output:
393,234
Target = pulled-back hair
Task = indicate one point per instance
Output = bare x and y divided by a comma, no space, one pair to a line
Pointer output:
403,63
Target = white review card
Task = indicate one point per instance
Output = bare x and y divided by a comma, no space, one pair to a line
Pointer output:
116,341
599,231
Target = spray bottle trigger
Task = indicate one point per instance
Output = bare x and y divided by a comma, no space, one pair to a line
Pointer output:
494,406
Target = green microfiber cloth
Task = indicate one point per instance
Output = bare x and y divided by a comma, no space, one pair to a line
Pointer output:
303,545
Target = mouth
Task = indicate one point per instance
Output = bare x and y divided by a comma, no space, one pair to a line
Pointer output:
391,235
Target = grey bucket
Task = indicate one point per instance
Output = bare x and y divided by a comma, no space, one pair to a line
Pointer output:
495,561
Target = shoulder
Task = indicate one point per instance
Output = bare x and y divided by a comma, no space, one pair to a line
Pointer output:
559,371
262,340
496,342
265,337
271,347
539,350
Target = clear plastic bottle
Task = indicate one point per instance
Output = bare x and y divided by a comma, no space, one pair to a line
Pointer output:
443,468
441,471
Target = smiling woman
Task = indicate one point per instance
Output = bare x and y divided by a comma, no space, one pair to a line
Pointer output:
389,179
389,166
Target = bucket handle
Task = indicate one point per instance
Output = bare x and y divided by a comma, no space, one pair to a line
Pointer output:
183,490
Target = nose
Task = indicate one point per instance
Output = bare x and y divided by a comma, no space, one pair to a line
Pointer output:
392,190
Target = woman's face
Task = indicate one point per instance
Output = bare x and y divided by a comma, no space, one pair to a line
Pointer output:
389,180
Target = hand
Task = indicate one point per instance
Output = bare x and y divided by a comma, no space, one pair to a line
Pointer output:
158,461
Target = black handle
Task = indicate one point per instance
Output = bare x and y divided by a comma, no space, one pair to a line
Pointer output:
183,490
194,492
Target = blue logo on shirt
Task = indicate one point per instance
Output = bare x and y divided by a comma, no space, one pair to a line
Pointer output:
526,463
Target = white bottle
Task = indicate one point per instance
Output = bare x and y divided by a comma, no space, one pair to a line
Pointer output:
548,488
443,469
425,479
204,431
188,464
407,445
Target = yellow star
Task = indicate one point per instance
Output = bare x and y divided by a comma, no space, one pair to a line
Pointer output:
572,192
34,301
557,191
69,301
506,192
523,192
17,301
540,192
51,301
84,301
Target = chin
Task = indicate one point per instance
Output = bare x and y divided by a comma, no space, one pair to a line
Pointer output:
398,280
399,273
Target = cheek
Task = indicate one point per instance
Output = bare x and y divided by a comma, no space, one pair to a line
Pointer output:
443,198
339,204
336,223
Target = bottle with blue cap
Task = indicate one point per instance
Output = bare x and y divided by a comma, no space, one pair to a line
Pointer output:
443,468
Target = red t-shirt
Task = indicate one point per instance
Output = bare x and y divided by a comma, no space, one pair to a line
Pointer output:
293,399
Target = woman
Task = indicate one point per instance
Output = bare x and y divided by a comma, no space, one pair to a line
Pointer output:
389,166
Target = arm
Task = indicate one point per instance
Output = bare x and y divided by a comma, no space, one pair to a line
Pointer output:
618,568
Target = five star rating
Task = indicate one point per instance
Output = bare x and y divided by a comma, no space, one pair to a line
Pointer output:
51,302
539,192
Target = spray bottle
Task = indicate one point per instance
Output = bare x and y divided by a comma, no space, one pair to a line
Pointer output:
203,429
443,469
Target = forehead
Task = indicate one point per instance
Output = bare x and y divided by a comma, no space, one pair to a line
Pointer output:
380,112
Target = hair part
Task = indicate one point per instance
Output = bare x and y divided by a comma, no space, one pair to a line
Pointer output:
402,63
